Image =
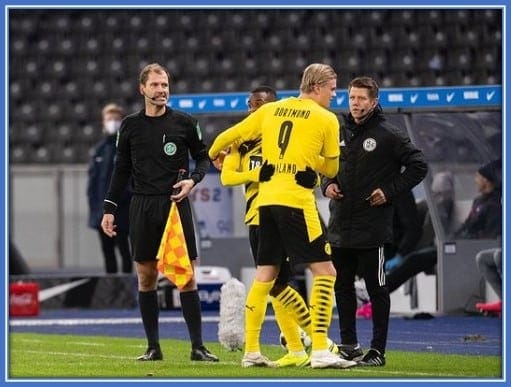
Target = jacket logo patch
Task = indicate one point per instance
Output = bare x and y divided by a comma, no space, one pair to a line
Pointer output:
369,144
170,149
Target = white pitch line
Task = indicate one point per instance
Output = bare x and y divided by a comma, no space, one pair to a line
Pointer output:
32,340
89,344
96,321
75,354
104,321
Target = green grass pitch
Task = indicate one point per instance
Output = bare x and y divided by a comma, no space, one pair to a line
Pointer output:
46,356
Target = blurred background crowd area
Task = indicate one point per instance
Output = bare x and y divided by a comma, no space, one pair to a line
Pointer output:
66,64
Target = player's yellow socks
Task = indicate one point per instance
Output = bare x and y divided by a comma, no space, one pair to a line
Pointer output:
321,310
287,326
255,310
296,307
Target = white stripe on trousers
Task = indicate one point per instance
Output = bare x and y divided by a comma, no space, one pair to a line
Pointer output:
381,266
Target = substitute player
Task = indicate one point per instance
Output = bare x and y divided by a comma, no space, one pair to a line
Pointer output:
297,133
242,166
153,145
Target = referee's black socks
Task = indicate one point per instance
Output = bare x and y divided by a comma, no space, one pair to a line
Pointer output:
190,305
149,310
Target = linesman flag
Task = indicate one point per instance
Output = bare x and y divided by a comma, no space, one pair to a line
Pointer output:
173,260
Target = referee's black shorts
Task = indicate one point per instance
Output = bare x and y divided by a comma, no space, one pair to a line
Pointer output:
283,233
148,216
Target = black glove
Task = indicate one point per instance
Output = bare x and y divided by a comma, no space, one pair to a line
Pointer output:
266,171
307,178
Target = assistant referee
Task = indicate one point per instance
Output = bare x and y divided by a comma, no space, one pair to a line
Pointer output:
152,146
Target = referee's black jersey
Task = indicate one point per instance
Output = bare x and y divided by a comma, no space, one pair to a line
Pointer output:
152,150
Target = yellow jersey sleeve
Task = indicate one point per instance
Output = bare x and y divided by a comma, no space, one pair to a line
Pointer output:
332,136
233,172
247,129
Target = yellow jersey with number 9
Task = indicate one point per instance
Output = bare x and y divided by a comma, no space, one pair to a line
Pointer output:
294,132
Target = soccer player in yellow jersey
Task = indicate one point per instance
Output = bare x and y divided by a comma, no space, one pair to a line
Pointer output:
297,134
241,166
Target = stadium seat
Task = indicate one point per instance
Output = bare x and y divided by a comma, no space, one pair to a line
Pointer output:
41,155
359,39
67,155
403,60
87,134
19,154
18,46
428,78
136,22
429,17
459,59
350,60
85,24
322,18
467,79
376,17
117,44
487,17
492,79
26,112
66,47
441,80
53,112
460,17
112,22
405,17
17,88
397,79
33,68
348,17
63,133
378,61
488,58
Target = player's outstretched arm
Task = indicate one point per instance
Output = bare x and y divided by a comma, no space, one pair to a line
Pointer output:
232,175
327,166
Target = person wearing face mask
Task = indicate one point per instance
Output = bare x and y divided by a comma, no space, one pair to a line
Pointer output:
100,172
378,162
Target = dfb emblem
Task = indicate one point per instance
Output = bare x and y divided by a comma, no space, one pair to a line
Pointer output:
369,144
170,149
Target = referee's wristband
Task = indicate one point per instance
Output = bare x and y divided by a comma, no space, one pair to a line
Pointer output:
109,207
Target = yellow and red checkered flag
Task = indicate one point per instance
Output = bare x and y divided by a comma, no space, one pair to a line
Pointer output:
173,260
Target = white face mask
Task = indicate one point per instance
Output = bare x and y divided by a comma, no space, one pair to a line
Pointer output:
112,126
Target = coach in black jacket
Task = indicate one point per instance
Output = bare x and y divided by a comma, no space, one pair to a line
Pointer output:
378,162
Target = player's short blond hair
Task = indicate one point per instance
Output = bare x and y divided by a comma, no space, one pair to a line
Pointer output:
316,74
153,67
112,108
